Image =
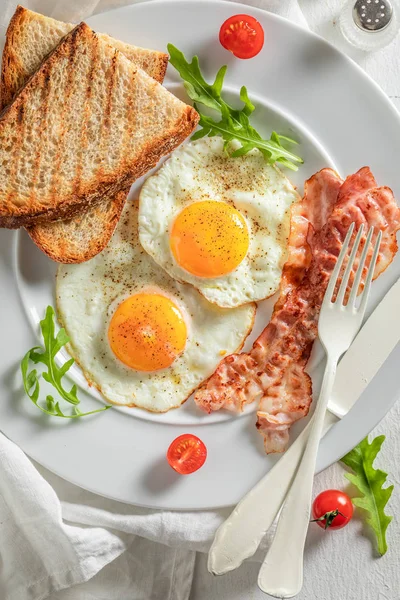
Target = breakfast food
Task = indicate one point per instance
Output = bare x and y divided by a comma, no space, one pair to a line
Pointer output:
232,124
89,140
80,238
186,454
217,222
332,509
242,35
220,228
273,372
54,373
30,37
140,337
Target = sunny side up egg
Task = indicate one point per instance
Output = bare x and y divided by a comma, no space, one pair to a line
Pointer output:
218,223
140,337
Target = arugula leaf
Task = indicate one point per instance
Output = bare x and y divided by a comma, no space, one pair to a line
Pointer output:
196,86
369,482
234,123
46,356
54,373
247,136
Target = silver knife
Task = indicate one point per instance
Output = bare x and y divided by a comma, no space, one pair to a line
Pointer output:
240,535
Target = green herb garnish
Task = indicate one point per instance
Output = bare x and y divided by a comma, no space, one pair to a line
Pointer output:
369,482
54,373
234,124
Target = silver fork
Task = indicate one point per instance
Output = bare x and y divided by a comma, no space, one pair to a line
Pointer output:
281,574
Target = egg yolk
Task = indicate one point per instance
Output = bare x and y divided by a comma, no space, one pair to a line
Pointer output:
147,332
209,238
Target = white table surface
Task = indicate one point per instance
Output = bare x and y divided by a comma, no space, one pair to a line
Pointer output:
338,565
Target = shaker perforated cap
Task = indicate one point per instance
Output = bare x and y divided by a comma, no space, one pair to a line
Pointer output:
372,15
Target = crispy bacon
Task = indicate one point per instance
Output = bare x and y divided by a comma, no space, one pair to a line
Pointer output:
235,382
273,371
307,217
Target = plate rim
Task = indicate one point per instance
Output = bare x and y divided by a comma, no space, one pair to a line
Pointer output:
245,8
271,15
295,26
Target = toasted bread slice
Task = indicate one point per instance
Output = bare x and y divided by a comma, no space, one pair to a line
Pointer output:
31,36
86,125
82,237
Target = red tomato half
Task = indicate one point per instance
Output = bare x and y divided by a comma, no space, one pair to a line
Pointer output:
186,454
242,35
332,509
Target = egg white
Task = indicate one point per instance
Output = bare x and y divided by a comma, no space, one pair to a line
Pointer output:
202,170
87,296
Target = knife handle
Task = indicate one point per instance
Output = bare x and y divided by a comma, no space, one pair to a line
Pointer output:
240,535
281,574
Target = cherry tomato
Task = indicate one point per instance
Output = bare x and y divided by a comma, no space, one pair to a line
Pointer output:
333,509
186,454
242,35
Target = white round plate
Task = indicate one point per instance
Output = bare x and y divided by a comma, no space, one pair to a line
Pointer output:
302,86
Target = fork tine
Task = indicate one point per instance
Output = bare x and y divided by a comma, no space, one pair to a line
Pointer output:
357,279
349,267
371,269
335,273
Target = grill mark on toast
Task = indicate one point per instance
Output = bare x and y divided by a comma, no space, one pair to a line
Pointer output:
16,156
147,159
87,114
105,126
62,244
43,131
110,88
130,117
92,191
70,52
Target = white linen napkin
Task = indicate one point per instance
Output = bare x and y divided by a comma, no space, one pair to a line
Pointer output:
55,536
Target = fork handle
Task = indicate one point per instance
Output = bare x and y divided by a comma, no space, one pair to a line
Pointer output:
281,574
240,535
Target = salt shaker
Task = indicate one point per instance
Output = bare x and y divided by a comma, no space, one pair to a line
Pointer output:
369,24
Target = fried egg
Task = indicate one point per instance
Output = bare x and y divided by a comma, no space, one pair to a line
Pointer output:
217,222
140,337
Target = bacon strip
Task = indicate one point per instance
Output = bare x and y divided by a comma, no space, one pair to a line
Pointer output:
307,217
273,371
234,383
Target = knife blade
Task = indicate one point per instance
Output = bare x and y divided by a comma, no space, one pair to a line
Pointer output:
373,344
240,535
